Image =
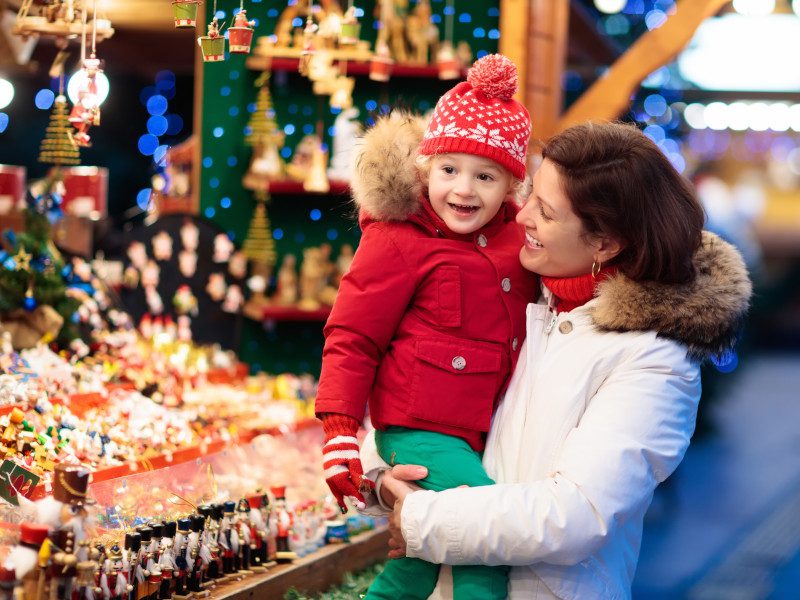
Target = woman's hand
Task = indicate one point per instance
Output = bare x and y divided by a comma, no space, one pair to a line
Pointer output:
394,489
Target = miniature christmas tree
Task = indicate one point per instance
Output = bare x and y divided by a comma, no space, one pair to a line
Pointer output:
264,135
32,287
259,246
57,146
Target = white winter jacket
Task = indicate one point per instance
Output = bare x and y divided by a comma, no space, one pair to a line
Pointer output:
600,410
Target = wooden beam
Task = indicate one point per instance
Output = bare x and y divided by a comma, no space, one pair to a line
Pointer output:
514,38
547,49
608,98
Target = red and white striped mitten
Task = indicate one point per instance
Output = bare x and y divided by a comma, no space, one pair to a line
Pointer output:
343,471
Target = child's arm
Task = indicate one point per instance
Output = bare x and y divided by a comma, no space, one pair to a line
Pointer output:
373,298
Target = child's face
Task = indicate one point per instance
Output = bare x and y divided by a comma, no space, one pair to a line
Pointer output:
466,191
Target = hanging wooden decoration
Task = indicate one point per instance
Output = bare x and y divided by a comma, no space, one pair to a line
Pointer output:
240,34
185,12
213,45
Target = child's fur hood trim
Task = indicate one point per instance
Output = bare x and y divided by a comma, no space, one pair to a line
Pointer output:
705,314
386,183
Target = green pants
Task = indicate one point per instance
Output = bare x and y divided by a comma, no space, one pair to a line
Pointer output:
451,462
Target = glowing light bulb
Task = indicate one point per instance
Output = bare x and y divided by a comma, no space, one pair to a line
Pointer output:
80,82
6,93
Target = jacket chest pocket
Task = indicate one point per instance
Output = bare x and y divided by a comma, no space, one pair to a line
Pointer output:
448,291
455,382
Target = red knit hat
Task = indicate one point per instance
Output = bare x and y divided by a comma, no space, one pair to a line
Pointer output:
480,116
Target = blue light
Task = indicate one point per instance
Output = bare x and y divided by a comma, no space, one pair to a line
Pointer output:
434,19
449,10
335,110
286,152
272,13
218,132
493,12
210,212
247,130
213,182
332,234
288,129
233,111
251,108
277,233
655,19
371,105
293,109
157,104
634,7
481,53
157,125
479,32
331,131
208,162
143,198
160,155
175,124
299,237
655,105
165,75
465,18
233,75
165,85
235,11
726,362
232,161
359,12
297,22
220,14
315,214
148,144
44,99
308,129
494,34
225,202
617,25
307,111
225,90
655,133
146,93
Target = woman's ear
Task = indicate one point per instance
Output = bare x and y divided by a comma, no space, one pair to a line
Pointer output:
607,247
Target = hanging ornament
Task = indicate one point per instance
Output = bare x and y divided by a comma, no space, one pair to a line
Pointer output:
240,34
86,112
351,28
213,45
380,66
446,61
58,147
185,12
29,302
22,260
309,42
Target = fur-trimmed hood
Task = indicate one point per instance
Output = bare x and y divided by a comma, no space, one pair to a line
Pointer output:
386,183
705,314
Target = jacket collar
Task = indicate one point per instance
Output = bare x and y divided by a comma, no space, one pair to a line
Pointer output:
705,314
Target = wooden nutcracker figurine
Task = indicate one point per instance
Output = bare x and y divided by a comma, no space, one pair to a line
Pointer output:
145,560
88,570
166,559
23,561
183,561
70,499
133,546
8,583
153,570
198,553
118,574
258,533
215,570
284,522
229,538
242,526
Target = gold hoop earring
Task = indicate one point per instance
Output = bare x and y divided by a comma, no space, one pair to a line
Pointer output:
596,266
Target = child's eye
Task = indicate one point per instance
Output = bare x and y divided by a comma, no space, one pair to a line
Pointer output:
485,177
448,169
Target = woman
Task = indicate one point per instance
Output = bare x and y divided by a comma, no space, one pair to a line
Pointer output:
602,403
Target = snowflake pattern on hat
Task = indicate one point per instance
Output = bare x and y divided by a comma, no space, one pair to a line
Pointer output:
470,119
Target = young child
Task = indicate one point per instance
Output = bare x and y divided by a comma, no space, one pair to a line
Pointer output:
430,318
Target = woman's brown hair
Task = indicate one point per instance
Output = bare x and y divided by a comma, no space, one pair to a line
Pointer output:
621,185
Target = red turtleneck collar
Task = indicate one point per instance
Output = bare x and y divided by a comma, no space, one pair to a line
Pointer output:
573,292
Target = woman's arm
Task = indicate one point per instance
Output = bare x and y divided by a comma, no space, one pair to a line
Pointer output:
633,434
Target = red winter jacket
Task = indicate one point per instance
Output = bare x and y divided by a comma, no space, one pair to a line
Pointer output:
428,324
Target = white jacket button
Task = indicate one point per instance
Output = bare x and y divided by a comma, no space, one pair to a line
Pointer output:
565,327
459,362
482,241
506,284
514,344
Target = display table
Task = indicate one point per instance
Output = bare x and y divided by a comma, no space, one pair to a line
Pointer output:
313,573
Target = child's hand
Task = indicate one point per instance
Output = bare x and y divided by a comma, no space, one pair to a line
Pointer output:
343,471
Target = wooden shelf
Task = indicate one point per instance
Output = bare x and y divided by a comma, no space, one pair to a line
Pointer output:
292,313
289,186
313,573
262,63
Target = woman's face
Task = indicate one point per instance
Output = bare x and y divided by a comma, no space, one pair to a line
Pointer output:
555,241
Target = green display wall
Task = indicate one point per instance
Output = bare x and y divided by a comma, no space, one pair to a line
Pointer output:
228,99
